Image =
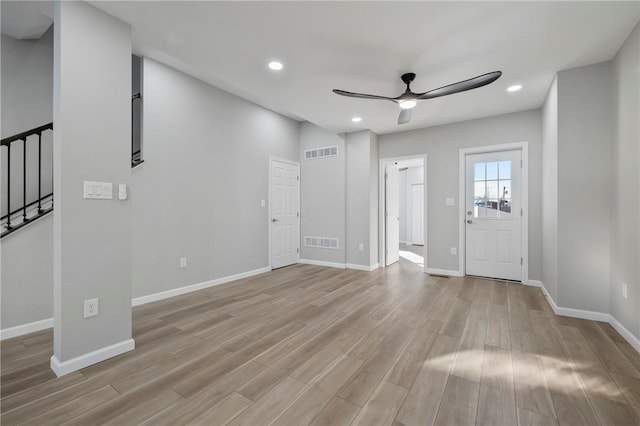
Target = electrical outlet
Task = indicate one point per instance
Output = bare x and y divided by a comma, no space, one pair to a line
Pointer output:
454,251
183,262
624,290
361,247
91,308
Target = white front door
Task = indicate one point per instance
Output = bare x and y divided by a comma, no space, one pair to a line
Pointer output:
493,215
392,213
285,218
417,214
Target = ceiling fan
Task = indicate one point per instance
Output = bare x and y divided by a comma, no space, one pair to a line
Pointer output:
409,99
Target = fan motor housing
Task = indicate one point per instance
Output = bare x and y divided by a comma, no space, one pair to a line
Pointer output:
408,77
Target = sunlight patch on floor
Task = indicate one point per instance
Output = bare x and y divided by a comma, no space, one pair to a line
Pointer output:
412,257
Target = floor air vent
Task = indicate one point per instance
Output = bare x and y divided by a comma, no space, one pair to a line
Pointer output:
314,154
320,242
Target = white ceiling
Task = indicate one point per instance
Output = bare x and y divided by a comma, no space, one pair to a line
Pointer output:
366,46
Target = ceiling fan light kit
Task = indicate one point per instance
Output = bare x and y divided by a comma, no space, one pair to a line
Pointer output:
409,99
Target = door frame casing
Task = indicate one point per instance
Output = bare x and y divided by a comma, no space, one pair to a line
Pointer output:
292,163
382,225
462,153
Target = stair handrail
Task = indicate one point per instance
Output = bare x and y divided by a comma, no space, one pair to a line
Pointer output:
21,136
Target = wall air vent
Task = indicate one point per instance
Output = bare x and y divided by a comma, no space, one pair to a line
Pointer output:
314,154
320,242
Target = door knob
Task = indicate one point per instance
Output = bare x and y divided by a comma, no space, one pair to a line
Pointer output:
274,220
469,221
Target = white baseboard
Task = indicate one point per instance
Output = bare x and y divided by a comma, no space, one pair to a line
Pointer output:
362,267
322,263
77,363
195,287
533,283
633,340
21,330
31,327
447,272
594,316
571,312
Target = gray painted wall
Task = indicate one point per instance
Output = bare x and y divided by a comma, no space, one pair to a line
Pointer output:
441,144
92,141
198,193
27,102
625,188
373,199
323,187
361,162
550,191
27,275
584,170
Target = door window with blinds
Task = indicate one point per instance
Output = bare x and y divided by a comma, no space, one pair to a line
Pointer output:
492,189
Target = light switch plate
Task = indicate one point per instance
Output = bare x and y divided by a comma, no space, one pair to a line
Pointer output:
97,190
122,191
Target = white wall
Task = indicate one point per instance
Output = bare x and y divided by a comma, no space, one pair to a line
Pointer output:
198,193
584,170
415,176
441,144
323,191
402,212
92,141
625,184
550,191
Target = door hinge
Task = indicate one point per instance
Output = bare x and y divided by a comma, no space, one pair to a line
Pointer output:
297,250
520,261
298,214
520,163
521,213
298,178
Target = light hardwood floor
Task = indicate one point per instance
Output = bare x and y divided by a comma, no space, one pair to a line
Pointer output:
322,346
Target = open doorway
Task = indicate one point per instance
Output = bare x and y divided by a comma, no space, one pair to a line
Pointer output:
403,195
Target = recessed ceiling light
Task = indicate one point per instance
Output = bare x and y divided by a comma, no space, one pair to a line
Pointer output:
356,119
514,88
407,104
275,65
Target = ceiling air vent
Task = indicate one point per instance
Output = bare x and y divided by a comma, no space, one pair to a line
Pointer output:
327,151
321,242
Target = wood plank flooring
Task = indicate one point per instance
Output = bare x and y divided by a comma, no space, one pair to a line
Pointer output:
313,345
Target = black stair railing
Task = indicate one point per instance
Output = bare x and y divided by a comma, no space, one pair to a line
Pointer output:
6,220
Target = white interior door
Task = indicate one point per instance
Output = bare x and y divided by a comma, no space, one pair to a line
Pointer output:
493,219
417,214
285,218
392,213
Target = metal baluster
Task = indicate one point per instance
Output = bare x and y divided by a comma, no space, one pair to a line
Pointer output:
39,172
8,186
24,180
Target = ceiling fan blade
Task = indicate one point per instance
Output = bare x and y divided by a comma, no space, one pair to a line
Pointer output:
405,116
461,86
361,95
